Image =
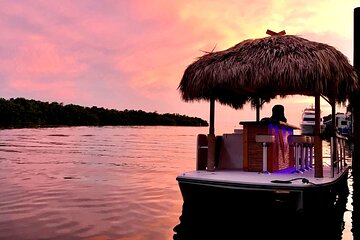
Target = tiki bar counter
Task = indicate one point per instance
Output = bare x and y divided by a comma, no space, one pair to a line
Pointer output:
273,134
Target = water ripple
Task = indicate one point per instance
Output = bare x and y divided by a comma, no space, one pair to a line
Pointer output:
92,183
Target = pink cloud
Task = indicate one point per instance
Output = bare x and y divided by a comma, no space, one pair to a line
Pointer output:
38,56
63,92
132,54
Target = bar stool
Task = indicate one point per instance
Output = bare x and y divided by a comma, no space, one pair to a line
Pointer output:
297,141
309,152
265,140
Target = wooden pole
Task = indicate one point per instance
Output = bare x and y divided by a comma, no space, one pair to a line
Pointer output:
258,109
333,113
317,140
210,166
333,131
356,131
212,116
356,97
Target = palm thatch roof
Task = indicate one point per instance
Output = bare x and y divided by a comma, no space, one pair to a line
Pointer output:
267,67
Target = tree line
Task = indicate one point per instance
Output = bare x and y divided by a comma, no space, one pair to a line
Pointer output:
20,112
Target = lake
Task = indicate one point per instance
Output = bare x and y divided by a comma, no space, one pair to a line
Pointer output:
98,182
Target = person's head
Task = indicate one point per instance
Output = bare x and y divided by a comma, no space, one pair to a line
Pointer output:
278,113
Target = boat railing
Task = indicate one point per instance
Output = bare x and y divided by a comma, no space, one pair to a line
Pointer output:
338,154
303,152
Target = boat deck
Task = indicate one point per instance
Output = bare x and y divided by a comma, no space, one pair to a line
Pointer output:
281,179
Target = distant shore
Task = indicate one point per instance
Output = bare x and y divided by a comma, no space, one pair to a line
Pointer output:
24,113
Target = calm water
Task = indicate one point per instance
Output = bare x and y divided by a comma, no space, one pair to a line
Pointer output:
97,182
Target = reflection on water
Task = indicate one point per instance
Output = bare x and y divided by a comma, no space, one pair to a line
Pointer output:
92,183
106,183
356,205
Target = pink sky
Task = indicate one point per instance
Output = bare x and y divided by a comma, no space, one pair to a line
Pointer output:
132,54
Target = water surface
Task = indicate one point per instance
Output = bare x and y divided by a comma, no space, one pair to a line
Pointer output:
96,182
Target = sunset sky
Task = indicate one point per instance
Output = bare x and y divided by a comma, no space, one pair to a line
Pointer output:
132,54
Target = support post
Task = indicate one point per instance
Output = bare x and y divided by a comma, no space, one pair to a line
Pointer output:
356,132
356,97
332,160
334,144
210,166
258,109
317,140
212,116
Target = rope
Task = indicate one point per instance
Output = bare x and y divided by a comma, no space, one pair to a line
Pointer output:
304,180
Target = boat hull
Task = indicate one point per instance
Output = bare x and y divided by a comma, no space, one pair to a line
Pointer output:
241,211
261,197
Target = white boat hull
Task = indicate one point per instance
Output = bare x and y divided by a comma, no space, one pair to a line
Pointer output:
305,192
238,208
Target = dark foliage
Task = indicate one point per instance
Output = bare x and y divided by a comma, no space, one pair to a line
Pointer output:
20,112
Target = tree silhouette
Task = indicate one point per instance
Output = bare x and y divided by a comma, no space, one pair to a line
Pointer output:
20,112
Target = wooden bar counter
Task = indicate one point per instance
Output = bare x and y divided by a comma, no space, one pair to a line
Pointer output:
280,154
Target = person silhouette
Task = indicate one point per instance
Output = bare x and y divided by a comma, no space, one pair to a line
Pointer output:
277,114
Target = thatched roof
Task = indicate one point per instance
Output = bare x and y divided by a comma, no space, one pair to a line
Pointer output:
267,67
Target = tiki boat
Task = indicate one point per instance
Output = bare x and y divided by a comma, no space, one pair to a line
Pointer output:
266,162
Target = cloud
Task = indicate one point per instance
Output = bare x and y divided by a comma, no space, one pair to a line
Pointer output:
40,57
132,54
